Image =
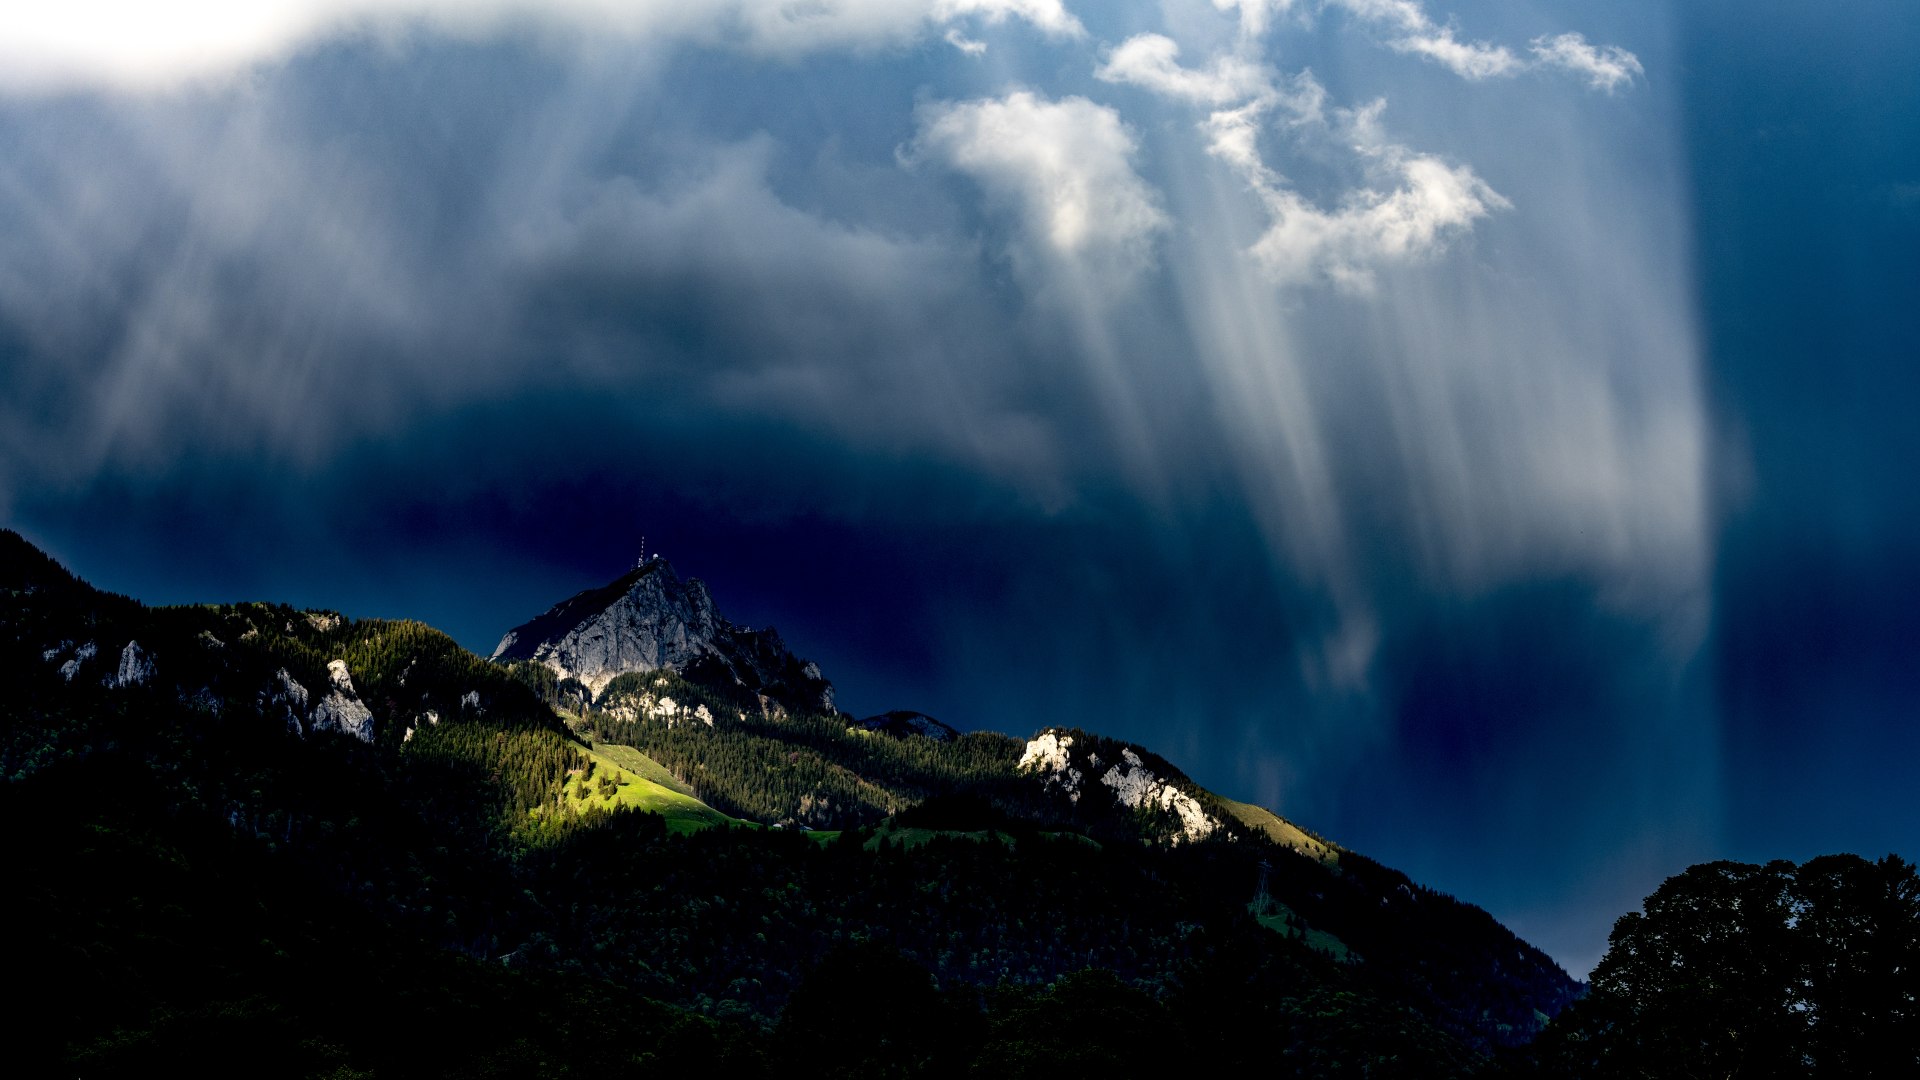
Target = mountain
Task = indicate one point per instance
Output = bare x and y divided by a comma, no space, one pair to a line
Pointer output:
650,619
232,825
901,723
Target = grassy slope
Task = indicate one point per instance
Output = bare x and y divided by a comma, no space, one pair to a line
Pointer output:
1281,831
642,784
1319,940
633,761
1286,833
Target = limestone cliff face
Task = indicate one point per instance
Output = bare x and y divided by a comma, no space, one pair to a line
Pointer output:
1066,759
340,710
651,619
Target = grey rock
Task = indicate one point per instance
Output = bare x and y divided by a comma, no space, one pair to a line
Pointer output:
651,619
288,699
1065,759
342,710
80,656
136,667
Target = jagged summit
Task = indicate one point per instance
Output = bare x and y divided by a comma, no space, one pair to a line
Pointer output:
650,619
902,723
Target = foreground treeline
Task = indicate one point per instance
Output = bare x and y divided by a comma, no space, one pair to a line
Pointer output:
731,922
143,941
149,930
1739,970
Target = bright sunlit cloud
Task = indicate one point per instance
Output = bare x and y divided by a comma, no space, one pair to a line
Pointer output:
132,45
1152,61
1410,29
1607,68
1064,168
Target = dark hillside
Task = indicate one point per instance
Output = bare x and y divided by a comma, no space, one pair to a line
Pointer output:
308,839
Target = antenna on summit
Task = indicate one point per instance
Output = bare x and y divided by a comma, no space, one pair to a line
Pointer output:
642,560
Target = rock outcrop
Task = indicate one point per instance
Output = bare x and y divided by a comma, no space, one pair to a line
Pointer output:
340,710
286,701
1065,760
136,667
80,656
651,619
655,703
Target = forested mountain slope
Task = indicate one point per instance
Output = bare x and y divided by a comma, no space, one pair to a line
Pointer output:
217,806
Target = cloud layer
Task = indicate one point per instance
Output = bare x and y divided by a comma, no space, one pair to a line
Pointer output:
1190,382
130,44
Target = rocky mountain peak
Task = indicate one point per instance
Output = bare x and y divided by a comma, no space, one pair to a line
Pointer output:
903,723
652,619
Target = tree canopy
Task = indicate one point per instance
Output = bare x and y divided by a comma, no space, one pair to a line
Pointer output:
1743,970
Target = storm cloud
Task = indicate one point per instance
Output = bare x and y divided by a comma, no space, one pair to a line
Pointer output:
1316,392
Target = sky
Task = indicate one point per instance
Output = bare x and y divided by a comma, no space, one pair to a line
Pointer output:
1480,431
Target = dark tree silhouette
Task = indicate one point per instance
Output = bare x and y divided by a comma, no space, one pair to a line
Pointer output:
1738,970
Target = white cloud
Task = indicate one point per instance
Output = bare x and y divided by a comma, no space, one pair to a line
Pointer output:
1063,167
1416,33
1433,203
136,44
133,44
1419,35
1050,16
1607,68
1152,61
970,46
1469,60
1234,137
1418,204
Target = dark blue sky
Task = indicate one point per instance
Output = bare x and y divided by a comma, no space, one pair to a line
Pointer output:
1487,446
